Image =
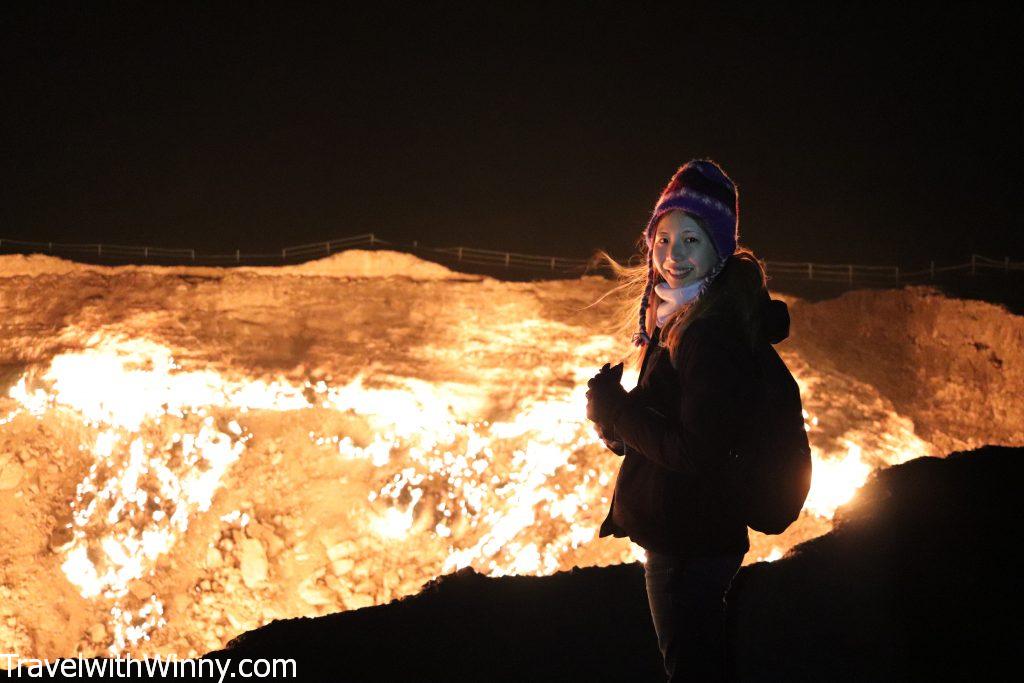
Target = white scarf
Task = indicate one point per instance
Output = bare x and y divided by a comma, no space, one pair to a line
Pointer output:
674,298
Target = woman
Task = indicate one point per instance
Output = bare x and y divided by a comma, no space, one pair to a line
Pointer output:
704,309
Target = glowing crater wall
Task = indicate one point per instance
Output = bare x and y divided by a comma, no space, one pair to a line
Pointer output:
186,454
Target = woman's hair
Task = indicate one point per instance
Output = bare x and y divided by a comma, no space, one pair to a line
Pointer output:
736,292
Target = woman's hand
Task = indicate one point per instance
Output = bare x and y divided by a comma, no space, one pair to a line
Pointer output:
611,442
605,396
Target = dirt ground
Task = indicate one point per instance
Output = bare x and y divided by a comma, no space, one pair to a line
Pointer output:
189,453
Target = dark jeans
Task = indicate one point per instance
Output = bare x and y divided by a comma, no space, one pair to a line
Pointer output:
687,599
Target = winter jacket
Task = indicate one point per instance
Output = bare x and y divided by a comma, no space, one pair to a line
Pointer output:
678,427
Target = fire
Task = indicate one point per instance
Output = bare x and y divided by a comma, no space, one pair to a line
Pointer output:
522,495
835,480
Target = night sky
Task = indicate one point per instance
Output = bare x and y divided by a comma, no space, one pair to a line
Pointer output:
854,134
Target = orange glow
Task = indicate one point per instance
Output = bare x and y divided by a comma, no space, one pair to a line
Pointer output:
140,493
194,497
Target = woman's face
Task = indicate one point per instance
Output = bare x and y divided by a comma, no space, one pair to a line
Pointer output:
683,252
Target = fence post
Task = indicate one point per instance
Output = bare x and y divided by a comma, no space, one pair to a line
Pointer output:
810,271
238,255
415,244
327,247
552,263
282,253
145,253
460,253
896,273
507,254
49,247
193,254
99,250
972,263
373,239
849,273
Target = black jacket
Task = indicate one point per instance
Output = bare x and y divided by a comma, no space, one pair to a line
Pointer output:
679,426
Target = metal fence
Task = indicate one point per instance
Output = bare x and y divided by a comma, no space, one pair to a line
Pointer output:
495,261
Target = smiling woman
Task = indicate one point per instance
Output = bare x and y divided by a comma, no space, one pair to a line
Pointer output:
679,428
684,255
683,251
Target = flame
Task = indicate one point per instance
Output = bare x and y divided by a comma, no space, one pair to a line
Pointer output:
835,480
513,496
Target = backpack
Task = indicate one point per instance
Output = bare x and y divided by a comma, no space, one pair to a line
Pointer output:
769,475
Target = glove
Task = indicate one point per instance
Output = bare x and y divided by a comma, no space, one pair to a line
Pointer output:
615,446
611,440
606,397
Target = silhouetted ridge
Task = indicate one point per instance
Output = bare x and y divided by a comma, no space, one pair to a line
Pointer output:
912,584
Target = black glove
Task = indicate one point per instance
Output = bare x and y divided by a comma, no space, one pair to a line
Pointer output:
610,439
615,446
605,398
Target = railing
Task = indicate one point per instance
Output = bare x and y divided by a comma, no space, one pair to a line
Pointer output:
833,272
849,274
486,257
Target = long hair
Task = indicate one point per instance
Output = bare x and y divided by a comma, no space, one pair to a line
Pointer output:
737,292
626,295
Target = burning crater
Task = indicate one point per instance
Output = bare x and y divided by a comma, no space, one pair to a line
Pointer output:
190,453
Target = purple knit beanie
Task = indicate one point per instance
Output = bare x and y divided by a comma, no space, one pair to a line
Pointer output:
700,187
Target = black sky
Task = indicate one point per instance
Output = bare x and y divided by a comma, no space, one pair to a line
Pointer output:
855,134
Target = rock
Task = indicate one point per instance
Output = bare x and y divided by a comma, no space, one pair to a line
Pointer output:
141,589
339,550
214,558
235,622
335,584
98,633
274,543
359,600
255,530
60,537
10,474
253,561
342,567
315,594
181,602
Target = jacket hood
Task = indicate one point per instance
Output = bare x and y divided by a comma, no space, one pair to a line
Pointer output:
774,319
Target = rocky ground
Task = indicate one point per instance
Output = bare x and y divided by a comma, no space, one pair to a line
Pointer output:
187,454
909,585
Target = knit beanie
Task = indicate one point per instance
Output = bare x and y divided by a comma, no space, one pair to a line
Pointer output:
700,187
